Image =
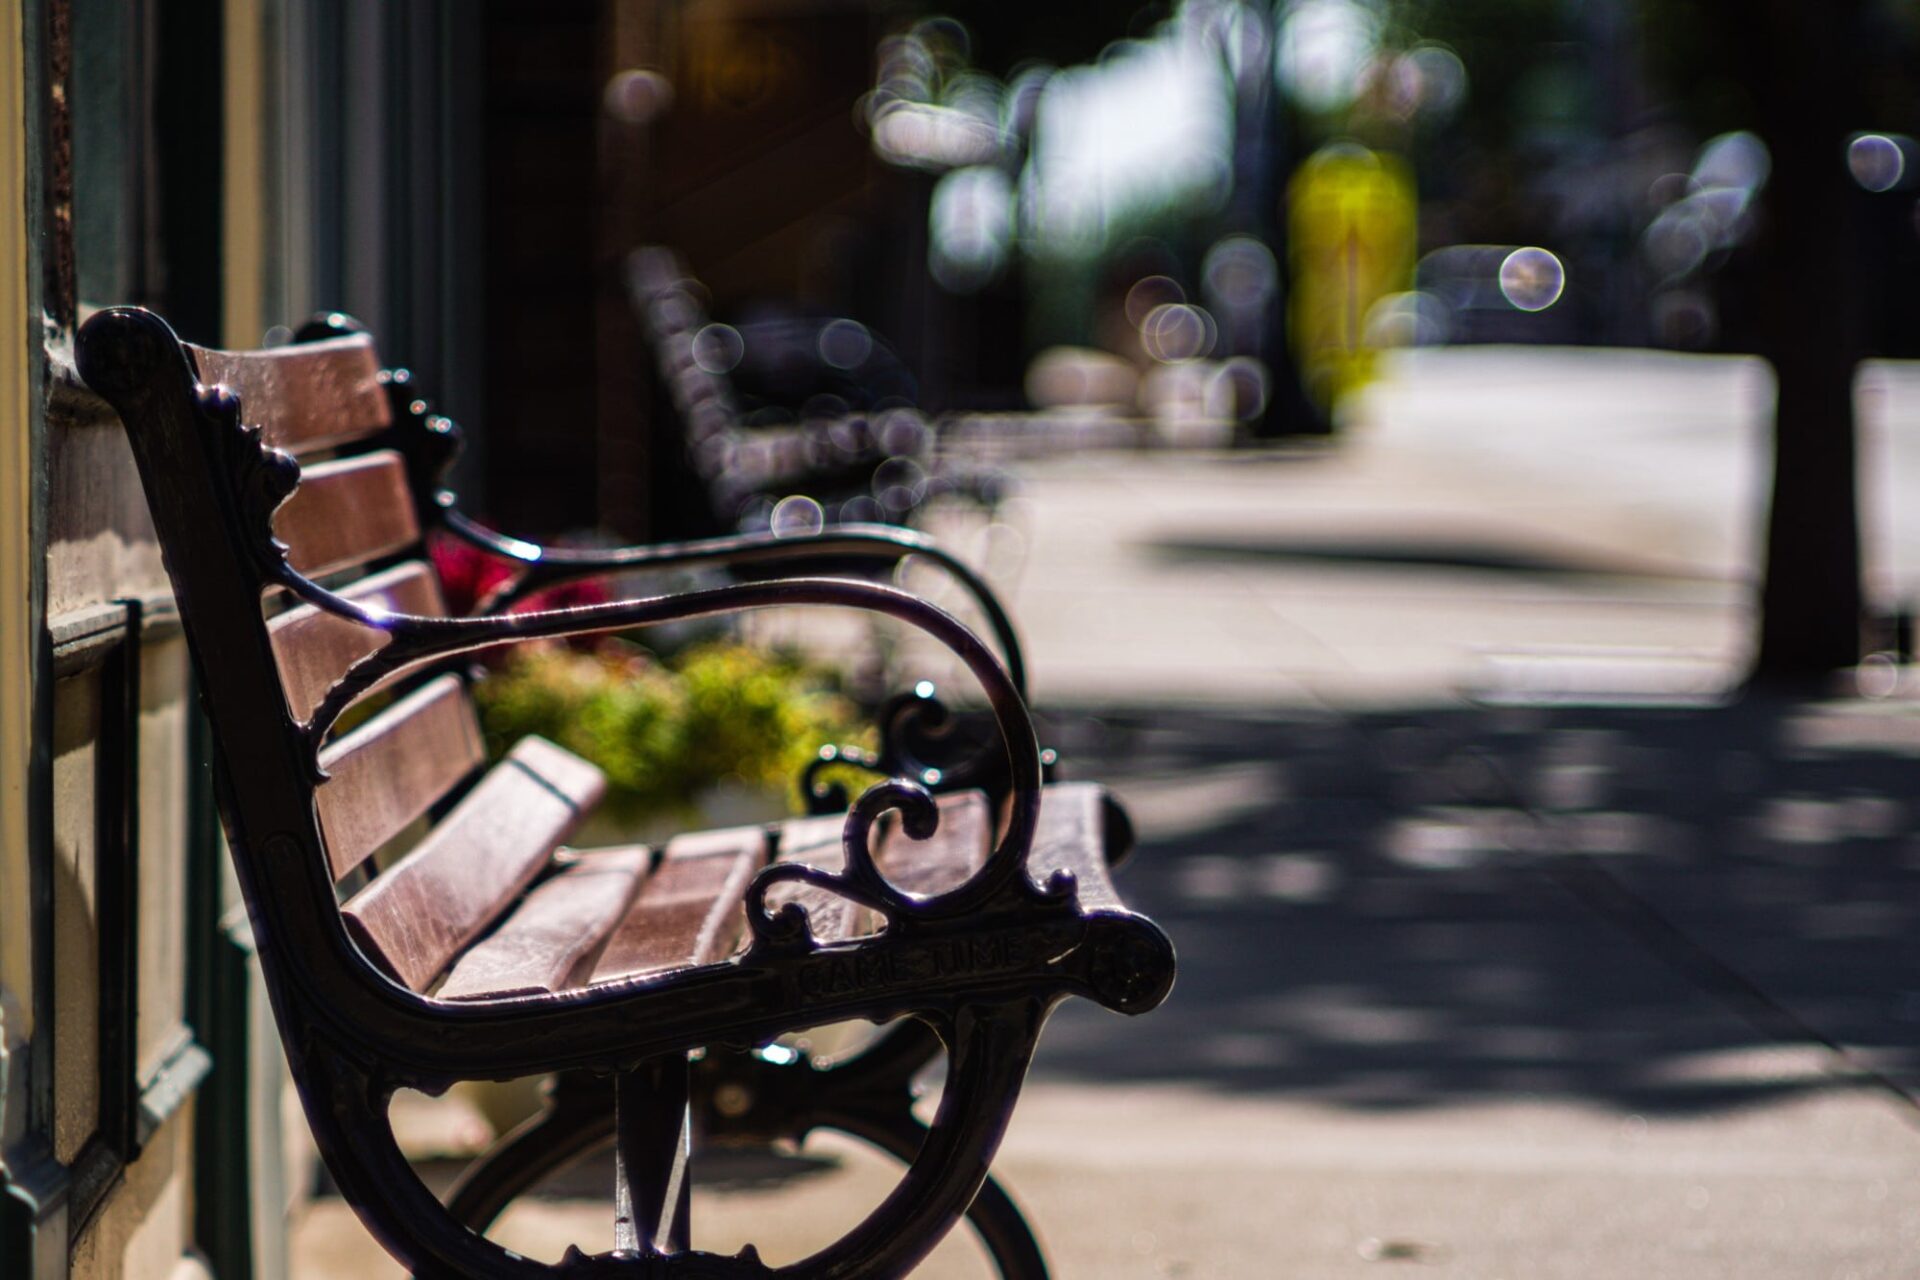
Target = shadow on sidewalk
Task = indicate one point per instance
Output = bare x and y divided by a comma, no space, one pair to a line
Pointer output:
1653,910
1413,549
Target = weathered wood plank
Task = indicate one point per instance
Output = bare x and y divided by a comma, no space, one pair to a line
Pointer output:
422,912
690,910
348,512
1072,836
552,937
391,769
314,648
306,397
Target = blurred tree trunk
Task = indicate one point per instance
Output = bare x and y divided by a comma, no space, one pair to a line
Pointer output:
1267,146
1799,68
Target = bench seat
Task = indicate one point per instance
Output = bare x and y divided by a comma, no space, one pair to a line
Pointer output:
494,901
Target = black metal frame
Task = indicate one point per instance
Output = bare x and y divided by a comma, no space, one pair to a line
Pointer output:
762,1098
981,965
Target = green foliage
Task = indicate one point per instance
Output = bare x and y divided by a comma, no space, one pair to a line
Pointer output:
665,731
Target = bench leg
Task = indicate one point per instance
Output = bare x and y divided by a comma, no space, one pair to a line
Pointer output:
577,1120
650,1148
988,1050
996,1219
870,1099
652,1187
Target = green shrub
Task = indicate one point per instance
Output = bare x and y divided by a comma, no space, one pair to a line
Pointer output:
666,731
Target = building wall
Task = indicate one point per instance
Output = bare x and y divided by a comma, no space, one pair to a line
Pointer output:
236,167
97,1115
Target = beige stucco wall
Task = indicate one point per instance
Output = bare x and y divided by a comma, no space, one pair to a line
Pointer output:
62,587
17,624
145,1231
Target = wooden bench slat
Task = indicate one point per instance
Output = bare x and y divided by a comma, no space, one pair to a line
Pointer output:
348,512
1072,836
391,769
314,395
553,936
426,909
314,648
690,911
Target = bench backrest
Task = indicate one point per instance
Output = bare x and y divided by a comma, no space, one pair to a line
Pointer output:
352,522
351,510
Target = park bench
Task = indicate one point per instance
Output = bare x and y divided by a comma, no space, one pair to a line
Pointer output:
290,518
861,463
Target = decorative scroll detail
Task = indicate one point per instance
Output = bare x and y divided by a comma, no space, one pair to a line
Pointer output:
919,739
860,881
917,736
788,929
913,727
431,442
831,797
260,478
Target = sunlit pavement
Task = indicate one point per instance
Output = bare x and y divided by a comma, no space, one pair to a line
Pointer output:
1485,510
1504,951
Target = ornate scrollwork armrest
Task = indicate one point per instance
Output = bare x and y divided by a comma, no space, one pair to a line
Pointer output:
919,739
418,640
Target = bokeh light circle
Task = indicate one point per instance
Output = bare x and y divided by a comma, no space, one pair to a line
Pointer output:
637,96
1532,279
1240,273
1876,161
717,348
1149,292
796,516
899,485
1176,332
845,344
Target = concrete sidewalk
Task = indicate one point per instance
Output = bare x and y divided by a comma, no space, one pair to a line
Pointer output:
1505,951
1482,506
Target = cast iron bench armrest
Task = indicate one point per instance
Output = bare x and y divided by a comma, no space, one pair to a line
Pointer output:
1108,954
731,1001
544,566
415,640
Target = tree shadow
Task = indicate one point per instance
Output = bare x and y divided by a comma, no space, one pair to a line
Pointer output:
1668,910
1404,551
